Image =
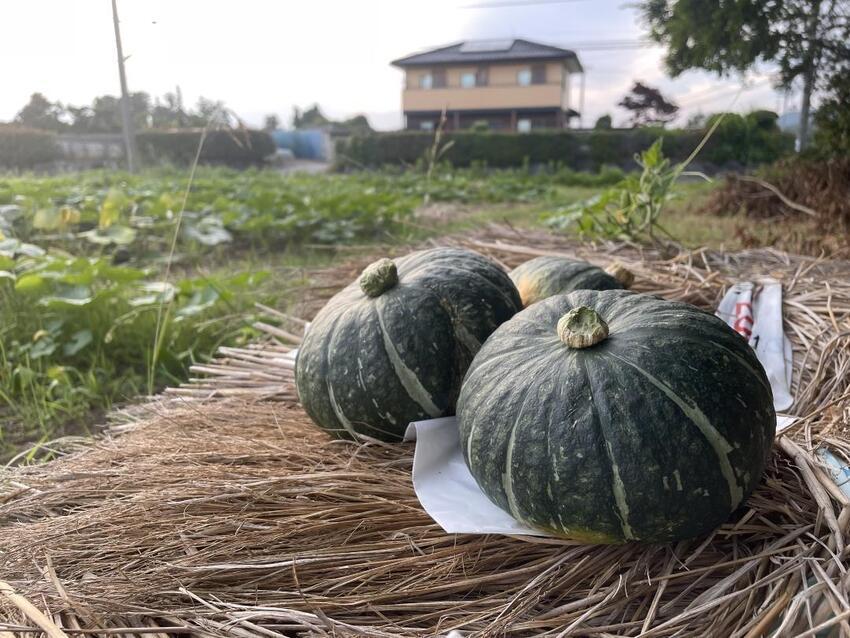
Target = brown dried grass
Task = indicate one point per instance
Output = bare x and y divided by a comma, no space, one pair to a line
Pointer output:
817,191
217,511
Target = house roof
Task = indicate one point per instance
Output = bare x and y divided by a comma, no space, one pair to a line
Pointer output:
489,51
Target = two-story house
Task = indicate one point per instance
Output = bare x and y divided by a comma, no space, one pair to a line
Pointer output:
515,85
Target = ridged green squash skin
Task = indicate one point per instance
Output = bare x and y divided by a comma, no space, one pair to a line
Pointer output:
369,365
543,277
656,433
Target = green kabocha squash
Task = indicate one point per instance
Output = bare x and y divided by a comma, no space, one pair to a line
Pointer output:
393,346
546,276
609,416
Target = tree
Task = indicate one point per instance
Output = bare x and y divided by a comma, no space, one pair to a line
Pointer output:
41,113
356,124
104,116
169,112
311,118
81,118
271,123
805,38
603,123
832,120
648,106
207,111
696,121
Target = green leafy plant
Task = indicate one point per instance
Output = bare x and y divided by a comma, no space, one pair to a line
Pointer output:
78,332
631,209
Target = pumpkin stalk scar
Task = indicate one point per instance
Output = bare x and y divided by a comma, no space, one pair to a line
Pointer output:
720,445
378,277
582,327
405,375
622,274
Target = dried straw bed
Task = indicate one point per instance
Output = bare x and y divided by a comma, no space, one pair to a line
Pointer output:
223,512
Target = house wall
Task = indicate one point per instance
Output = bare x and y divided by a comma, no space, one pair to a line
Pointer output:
502,90
496,120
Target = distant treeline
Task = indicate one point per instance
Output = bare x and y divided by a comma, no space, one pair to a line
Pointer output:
104,113
739,141
25,148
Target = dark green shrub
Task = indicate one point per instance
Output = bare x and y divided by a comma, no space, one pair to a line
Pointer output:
604,123
738,141
763,120
23,148
747,140
237,148
832,120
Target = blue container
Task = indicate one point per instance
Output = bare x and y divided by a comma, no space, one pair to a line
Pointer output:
306,144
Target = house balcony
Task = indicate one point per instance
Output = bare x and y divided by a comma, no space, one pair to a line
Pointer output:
483,97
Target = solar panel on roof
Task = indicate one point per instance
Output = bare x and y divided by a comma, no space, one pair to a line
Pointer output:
480,46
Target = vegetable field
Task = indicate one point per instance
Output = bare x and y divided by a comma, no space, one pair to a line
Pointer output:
112,286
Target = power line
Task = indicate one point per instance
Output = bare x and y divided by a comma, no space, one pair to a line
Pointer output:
725,92
513,3
602,45
606,45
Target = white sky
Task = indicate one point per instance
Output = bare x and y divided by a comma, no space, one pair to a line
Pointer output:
264,57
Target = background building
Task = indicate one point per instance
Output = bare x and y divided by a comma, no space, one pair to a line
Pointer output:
498,84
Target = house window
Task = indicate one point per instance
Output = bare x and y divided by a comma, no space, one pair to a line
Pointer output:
535,74
481,76
523,77
426,81
538,74
467,80
426,125
439,76
523,125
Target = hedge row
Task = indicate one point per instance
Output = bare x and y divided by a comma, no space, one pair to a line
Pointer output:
734,143
23,148
231,148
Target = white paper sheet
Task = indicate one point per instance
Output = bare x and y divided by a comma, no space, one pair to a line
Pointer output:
445,487
450,494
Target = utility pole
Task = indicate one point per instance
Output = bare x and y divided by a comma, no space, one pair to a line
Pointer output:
126,112
581,101
810,62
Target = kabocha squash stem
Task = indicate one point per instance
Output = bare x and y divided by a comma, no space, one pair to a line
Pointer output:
622,274
582,327
378,277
